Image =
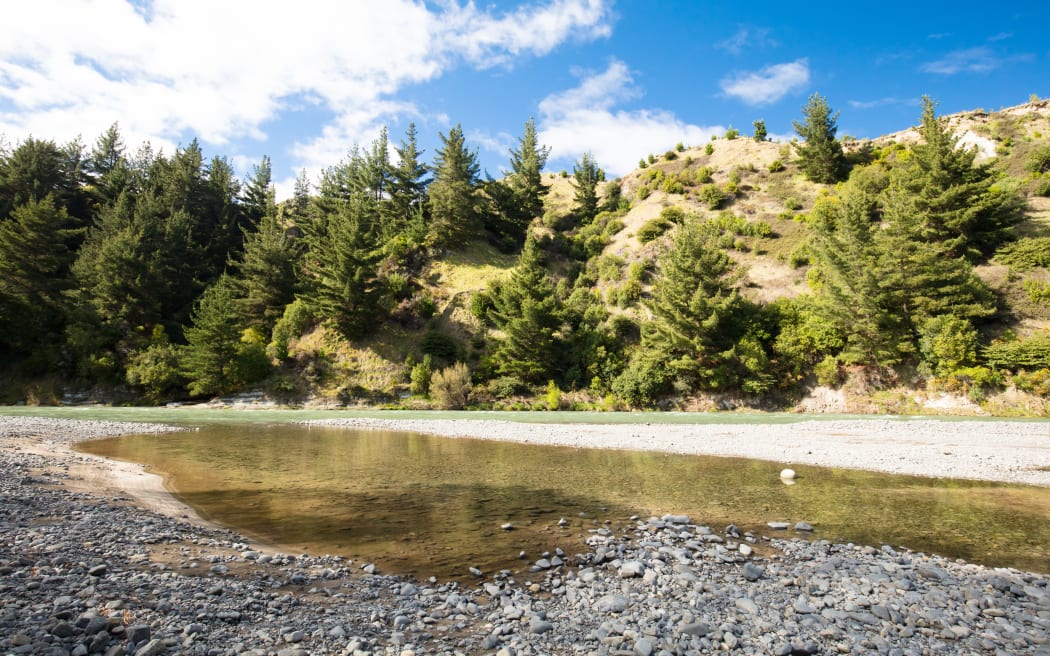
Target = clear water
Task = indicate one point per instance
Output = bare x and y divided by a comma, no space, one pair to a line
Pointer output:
425,505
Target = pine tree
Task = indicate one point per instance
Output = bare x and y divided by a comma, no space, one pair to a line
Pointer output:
266,274
34,274
760,130
257,194
696,305
963,204
208,360
454,204
526,175
342,266
585,184
529,314
108,166
820,154
408,186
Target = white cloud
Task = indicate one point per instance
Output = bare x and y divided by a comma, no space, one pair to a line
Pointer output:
585,119
883,102
226,70
747,37
769,84
980,59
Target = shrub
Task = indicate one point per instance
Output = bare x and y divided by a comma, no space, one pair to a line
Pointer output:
609,267
674,214
251,364
419,377
670,156
1025,253
439,345
645,379
642,164
156,370
947,343
637,270
1041,186
652,158
712,196
709,149
292,324
776,166
629,293
799,257
1039,160
732,188
653,228
552,399
1037,291
505,387
643,192
704,174
827,372
1035,382
732,133
679,146
672,186
792,203
1031,353
450,387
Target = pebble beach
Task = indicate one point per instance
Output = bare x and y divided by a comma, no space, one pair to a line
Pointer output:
96,558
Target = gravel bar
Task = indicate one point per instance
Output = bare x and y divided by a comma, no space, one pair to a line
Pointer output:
86,569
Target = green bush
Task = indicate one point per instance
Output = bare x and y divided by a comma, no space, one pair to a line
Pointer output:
609,267
420,376
732,133
732,188
947,344
672,186
712,196
1025,253
297,318
653,228
155,369
799,257
1035,382
645,379
680,147
670,156
637,270
704,174
642,164
776,166
450,387
1039,160
827,372
439,345
1041,186
674,214
630,292
792,203
643,192
552,399
1037,291
506,387
1014,355
709,149
251,363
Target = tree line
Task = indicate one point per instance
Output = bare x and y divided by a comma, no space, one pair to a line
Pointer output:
168,276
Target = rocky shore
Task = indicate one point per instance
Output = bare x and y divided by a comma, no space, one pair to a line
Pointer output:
84,569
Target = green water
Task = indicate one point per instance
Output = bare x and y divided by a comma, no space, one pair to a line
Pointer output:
424,505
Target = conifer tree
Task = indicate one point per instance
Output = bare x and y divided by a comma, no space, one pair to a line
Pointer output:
34,274
527,310
820,154
526,175
696,306
454,204
208,359
408,185
257,194
266,274
585,184
962,204
108,167
342,265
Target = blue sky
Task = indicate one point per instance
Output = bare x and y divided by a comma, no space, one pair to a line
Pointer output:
302,82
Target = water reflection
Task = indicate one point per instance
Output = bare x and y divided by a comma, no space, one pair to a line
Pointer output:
428,505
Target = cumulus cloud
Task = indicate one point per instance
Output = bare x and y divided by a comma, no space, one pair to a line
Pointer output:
769,84
168,70
586,119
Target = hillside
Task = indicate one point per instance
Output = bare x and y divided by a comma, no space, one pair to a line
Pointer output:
715,275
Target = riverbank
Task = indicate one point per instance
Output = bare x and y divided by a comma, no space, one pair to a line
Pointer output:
1002,451
84,569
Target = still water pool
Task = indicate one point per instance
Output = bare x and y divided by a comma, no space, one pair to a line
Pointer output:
424,505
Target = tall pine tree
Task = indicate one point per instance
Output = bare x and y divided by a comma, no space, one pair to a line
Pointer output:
455,208
820,154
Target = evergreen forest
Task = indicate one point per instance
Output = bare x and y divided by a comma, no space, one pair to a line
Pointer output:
735,273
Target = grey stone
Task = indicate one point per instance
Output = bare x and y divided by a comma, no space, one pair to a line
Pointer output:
152,648
699,629
613,603
752,572
803,526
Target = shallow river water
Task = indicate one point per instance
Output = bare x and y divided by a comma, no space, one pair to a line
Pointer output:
425,505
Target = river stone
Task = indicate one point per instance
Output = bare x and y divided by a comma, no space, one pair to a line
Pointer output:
676,519
613,603
63,630
803,526
643,647
539,626
632,569
752,572
152,648
802,605
98,570
778,526
698,629
138,633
